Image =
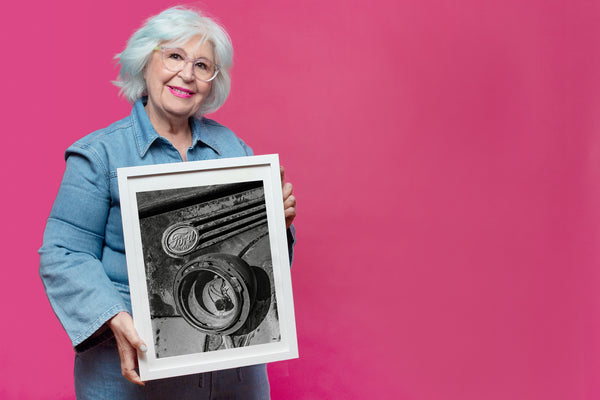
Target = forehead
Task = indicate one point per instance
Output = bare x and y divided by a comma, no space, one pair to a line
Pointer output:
197,46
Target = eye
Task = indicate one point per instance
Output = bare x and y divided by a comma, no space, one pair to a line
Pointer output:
201,65
175,56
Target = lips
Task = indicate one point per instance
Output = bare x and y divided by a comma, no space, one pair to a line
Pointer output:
181,92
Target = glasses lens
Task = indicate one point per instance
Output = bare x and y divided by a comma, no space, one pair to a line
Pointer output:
175,60
204,69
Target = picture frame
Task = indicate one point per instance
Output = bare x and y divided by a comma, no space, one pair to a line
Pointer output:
208,264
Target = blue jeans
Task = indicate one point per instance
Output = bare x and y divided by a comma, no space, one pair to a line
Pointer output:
98,376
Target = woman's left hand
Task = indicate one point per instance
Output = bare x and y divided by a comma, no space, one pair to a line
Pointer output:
128,341
289,200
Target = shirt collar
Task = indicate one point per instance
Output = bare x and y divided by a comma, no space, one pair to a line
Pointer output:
145,134
202,134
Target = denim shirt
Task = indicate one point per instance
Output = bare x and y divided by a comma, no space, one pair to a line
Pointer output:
82,259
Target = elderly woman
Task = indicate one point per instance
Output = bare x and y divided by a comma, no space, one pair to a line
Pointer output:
175,69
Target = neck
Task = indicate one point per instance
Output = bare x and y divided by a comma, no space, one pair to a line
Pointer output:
176,130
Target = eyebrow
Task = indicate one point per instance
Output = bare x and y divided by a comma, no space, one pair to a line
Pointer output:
185,52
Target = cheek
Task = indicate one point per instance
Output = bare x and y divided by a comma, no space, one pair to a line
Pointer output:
207,89
153,76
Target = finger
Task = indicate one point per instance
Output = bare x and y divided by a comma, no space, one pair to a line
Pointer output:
129,363
290,215
282,173
288,222
290,212
289,202
287,190
134,339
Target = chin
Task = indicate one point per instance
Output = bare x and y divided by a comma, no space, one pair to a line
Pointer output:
182,113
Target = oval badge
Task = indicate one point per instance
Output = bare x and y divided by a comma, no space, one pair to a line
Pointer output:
179,240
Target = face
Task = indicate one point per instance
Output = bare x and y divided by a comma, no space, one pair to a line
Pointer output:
176,95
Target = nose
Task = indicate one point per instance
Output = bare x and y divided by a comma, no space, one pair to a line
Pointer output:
187,73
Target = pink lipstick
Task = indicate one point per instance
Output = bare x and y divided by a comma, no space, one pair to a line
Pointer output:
181,92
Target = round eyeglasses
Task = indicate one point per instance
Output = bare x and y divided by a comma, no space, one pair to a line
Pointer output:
175,60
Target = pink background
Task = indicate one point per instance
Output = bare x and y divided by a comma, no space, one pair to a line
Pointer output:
446,158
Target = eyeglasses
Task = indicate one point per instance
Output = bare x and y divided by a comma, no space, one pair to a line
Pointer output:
175,60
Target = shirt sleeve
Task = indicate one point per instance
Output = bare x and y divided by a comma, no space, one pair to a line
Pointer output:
79,290
247,149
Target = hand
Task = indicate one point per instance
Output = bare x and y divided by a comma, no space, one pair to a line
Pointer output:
127,343
289,200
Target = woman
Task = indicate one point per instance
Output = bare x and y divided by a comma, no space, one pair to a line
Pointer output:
174,70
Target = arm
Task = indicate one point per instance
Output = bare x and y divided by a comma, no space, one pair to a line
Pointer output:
80,292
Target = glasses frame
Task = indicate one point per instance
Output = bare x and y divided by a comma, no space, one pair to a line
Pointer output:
185,62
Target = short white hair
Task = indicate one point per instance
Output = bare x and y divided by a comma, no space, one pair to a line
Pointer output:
178,25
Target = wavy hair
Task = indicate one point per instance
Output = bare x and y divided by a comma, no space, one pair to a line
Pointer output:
176,25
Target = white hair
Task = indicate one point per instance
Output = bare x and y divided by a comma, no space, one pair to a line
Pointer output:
179,25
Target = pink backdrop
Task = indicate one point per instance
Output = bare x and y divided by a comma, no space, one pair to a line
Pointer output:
446,158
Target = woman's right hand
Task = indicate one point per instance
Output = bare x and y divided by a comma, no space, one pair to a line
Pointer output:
128,341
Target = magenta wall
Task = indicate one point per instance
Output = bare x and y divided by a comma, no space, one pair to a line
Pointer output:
446,158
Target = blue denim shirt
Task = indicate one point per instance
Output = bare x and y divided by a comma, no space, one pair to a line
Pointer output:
82,259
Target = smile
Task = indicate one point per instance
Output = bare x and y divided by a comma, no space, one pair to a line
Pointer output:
180,92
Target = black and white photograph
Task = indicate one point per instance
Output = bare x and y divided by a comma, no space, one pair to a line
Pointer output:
208,267
208,264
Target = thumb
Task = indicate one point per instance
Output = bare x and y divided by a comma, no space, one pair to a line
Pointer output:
132,337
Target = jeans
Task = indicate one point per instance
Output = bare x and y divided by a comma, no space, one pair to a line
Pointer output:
98,377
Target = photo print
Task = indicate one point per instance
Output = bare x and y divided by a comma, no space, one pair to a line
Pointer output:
208,267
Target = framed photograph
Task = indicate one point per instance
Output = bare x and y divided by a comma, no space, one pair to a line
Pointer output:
208,264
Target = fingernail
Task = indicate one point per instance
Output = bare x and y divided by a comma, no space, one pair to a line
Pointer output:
143,348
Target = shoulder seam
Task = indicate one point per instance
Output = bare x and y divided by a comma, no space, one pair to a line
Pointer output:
97,159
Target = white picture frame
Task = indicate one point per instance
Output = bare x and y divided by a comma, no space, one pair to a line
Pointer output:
197,306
